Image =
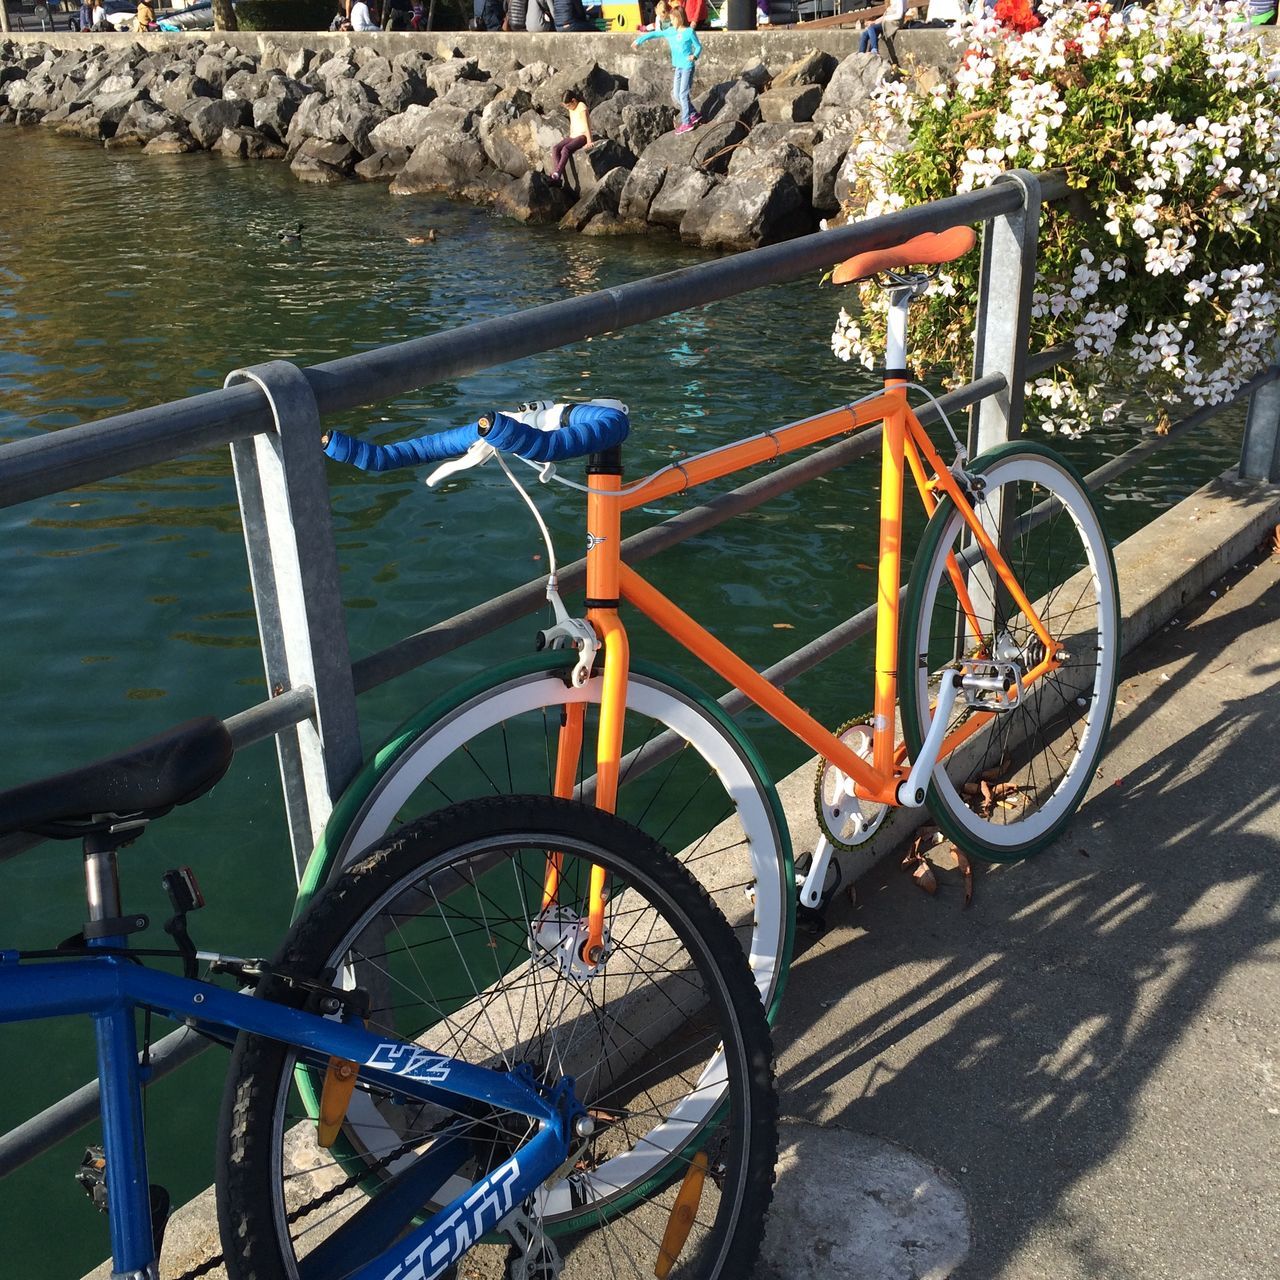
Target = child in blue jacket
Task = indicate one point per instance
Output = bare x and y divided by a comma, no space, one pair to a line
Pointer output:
685,50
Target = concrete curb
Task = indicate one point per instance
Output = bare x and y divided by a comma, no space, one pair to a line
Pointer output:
1160,568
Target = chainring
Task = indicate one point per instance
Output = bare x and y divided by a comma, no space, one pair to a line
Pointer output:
847,820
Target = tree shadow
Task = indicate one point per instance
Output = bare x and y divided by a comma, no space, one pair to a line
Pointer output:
1016,1045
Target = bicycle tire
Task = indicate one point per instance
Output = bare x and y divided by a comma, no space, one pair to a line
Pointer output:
496,737
683,1059
1021,788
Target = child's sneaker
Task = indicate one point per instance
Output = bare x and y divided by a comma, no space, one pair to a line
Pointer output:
684,128
695,120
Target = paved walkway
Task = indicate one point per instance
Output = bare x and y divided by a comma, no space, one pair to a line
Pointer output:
1087,1057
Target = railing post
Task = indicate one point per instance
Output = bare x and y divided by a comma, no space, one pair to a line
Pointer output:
1260,450
293,566
1007,278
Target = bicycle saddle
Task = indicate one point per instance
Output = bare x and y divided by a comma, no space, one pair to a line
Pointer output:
145,780
929,249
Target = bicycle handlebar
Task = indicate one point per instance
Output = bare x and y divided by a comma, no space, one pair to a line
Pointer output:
540,432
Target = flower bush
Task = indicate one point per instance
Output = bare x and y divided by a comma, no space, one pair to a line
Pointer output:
1161,270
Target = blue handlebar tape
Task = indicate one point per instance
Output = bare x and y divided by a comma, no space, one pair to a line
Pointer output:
587,428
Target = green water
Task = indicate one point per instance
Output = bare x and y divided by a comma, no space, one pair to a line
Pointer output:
126,281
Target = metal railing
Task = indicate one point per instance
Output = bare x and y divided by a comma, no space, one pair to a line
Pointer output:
271,415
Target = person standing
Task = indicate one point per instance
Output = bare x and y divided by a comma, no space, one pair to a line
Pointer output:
685,49
86,15
145,18
361,18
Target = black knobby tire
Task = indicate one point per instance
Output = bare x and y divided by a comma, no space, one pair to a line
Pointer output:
658,915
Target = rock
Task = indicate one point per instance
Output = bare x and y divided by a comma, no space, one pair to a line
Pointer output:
828,157
250,144
631,120
674,198
757,75
443,160
177,92
813,68
732,100
142,122
609,224
587,167
847,97
323,163
764,163
356,123
793,102
113,107
766,136
533,198
382,166
498,125
762,206
170,144
85,123
471,95
531,76
715,144
211,115
273,112
212,69
403,131
603,198
589,80
443,75
673,151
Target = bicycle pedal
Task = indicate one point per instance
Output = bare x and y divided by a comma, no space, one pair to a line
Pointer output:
832,877
92,1177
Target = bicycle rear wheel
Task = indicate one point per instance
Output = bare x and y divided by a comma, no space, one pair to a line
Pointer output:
1013,785
444,927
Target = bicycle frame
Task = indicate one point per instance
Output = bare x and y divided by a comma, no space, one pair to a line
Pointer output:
110,987
905,446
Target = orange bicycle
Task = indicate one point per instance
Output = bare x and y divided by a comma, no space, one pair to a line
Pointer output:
1002,652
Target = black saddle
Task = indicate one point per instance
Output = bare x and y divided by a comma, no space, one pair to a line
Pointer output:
144,781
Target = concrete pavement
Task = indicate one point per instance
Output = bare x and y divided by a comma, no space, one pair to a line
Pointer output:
1086,1057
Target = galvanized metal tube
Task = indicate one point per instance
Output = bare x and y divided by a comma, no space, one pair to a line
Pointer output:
113,446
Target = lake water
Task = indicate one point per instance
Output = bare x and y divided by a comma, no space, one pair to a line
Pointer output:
128,280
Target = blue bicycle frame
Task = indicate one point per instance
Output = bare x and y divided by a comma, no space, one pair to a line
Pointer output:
111,987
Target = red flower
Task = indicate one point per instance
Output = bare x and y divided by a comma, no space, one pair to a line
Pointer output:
1017,15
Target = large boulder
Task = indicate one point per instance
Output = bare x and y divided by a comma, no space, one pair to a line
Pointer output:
170,144
382,166
716,144
603,198
176,93
847,97
445,160
632,120
471,95
444,74
499,125
828,159
811,68
533,198
763,205
672,152
731,100
764,163
403,131
589,80
142,122
249,144
273,112
796,102
589,165
678,193
209,116
323,163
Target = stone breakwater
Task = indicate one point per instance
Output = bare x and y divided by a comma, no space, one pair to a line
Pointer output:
476,120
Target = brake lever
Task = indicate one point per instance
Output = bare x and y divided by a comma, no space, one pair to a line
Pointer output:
476,456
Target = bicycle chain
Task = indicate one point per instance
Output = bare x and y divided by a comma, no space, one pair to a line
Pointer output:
203,1268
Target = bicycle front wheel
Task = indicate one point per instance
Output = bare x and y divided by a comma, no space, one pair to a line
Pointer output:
1016,779
445,927
690,780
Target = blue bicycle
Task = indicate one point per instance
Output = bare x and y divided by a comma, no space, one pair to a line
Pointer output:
434,1064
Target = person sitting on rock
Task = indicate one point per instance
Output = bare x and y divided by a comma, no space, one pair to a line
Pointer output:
579,135
685,48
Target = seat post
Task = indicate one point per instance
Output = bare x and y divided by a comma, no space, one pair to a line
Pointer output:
102,875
